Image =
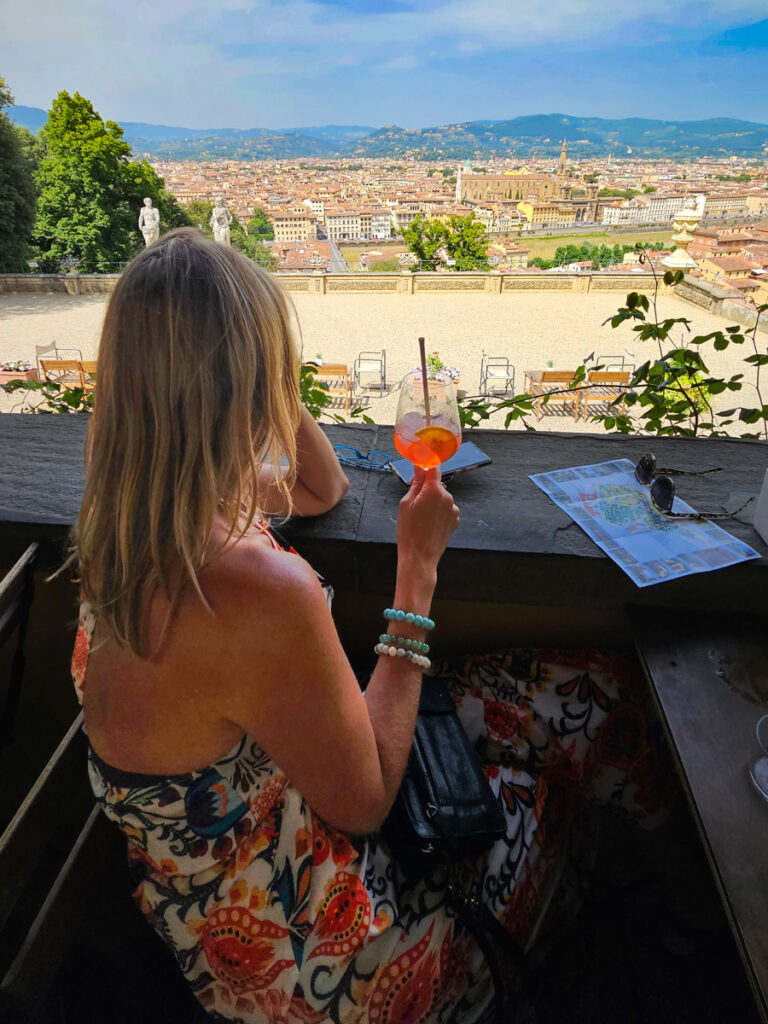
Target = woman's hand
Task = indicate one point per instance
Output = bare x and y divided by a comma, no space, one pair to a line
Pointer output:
426,520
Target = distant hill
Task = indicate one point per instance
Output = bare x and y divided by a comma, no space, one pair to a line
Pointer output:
539,134
170,142
586,136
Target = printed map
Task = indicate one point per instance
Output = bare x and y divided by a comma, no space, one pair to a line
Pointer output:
615,510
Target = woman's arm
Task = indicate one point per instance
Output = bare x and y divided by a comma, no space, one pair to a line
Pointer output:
292,689
320,481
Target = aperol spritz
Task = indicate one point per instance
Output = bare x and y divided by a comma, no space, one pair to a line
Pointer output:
427,431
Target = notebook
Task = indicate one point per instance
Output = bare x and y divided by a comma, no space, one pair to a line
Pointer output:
467,457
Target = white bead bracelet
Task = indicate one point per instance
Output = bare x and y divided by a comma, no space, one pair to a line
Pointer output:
401,652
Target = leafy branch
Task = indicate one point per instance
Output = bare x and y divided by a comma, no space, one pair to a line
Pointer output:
53,397
669,395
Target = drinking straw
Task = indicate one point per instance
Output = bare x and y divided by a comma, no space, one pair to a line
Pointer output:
423,355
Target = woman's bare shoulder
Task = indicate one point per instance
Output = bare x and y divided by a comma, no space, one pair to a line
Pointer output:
252,571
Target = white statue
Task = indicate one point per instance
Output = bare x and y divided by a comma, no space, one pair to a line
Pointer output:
149,222
221,218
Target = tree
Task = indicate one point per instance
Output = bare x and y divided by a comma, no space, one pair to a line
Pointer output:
250,246
198,213
90,192
17,189
260,225
466,243
462,238
424,237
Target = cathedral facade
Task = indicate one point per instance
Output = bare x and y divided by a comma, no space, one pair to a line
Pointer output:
513,188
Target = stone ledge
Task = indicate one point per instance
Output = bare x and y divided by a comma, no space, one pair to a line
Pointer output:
514,546
491,282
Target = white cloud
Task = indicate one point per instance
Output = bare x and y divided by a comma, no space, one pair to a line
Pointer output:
403,63
200,63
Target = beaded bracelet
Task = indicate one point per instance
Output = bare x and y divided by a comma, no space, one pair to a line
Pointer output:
405,641
422,621
400,652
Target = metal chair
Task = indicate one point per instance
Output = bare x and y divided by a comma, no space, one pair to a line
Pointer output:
497,375
52,351
374,366
615,363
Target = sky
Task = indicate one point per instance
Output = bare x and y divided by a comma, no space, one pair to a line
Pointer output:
414,63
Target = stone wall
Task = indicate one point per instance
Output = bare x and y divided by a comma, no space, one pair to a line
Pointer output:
719,301
319,283
68,284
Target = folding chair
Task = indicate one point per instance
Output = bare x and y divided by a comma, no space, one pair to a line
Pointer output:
603,388
496,375
87,374
63,371
53,351
546,382
336,376
374,365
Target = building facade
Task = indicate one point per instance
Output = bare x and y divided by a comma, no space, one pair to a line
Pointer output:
734,205
545,215
294,225
342,225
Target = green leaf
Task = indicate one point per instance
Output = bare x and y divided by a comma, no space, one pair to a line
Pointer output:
750,415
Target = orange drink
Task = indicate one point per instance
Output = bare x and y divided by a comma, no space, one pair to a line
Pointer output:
428,427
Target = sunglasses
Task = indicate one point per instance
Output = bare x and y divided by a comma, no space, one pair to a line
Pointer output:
373,460
662,489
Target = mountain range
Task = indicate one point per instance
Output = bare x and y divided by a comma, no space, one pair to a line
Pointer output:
538,134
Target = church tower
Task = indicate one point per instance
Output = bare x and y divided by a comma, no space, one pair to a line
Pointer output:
561,163
562,188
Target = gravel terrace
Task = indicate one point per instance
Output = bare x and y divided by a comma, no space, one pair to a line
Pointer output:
531,328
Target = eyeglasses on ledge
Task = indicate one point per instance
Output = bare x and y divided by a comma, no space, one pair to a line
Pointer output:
379,462
662,489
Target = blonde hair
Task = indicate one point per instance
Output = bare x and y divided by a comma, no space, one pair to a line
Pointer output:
197,389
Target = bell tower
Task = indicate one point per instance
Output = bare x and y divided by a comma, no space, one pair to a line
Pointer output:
561,164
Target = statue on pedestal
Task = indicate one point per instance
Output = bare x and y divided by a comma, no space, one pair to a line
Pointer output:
149,222
221,218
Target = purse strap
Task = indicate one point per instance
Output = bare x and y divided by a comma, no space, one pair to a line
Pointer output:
505,958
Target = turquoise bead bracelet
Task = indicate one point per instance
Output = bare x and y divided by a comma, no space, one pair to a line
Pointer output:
421,621
404,641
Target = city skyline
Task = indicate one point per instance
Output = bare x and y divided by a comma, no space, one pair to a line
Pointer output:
285,63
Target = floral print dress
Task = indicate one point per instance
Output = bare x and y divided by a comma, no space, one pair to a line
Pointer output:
275,917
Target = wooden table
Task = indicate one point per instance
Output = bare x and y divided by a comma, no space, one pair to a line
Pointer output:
709,674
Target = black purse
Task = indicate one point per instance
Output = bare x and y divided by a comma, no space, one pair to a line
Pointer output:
444,811
444,804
